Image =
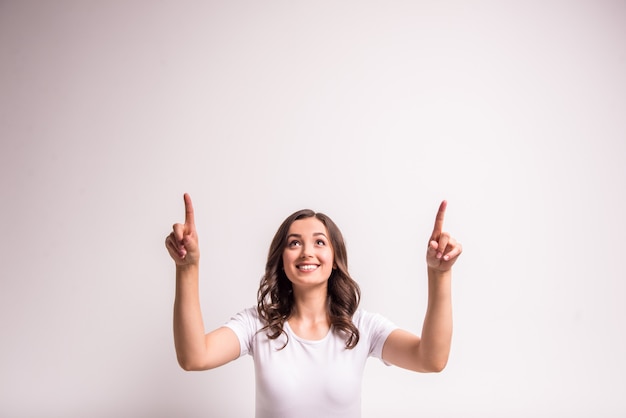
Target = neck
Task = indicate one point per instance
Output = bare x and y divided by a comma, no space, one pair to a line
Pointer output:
310,305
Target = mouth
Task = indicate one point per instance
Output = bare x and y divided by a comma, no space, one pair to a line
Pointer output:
307,267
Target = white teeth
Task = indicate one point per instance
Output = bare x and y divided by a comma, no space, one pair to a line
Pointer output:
308,267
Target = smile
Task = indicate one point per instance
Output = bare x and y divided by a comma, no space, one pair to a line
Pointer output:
307,267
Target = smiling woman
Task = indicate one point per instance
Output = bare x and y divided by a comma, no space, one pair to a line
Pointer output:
307,335
308,258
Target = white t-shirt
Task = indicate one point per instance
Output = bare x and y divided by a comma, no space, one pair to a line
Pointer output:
309,378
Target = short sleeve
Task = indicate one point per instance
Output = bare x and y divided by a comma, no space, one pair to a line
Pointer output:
245,325
374,328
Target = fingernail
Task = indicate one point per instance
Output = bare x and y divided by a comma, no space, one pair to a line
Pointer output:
447,257
439,255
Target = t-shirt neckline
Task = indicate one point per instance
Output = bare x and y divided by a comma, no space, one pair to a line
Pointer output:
304,340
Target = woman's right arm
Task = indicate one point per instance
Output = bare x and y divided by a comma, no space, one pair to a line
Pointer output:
194,349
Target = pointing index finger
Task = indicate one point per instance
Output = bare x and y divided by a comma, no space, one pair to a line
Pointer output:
438,229
189,216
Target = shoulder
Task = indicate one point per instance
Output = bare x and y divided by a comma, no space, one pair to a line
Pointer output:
248,315
364,318
246,319
245,324
372,325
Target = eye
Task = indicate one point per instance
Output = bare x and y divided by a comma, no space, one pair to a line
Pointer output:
293,243
320,242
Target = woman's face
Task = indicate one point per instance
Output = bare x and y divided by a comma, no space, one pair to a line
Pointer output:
308,258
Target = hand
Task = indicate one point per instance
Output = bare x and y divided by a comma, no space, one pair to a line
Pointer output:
182,243
443,250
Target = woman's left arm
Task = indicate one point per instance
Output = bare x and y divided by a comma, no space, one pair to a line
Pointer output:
429,353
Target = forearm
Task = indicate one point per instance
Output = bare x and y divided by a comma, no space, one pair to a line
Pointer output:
436,339
189,333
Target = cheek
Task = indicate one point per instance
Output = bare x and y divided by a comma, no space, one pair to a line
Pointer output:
329,258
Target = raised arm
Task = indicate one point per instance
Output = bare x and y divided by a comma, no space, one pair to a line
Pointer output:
194,349
429,353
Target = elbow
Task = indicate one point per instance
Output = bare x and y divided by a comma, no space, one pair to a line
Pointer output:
186,366
437,366
433,361
433,365
190,366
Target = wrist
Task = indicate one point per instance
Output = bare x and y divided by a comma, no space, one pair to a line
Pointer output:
187,270
437,277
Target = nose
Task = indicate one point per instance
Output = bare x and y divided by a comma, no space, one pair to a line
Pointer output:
306,251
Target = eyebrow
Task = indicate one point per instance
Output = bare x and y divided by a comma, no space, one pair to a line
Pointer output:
315,234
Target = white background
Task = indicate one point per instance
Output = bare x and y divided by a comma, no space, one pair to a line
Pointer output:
369,111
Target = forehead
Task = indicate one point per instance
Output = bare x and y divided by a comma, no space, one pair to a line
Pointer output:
308,226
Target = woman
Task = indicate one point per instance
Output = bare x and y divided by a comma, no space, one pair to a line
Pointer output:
308,338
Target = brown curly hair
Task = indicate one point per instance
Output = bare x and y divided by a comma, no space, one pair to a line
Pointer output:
275,300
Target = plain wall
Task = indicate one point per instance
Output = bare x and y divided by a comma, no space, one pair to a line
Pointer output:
369,111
